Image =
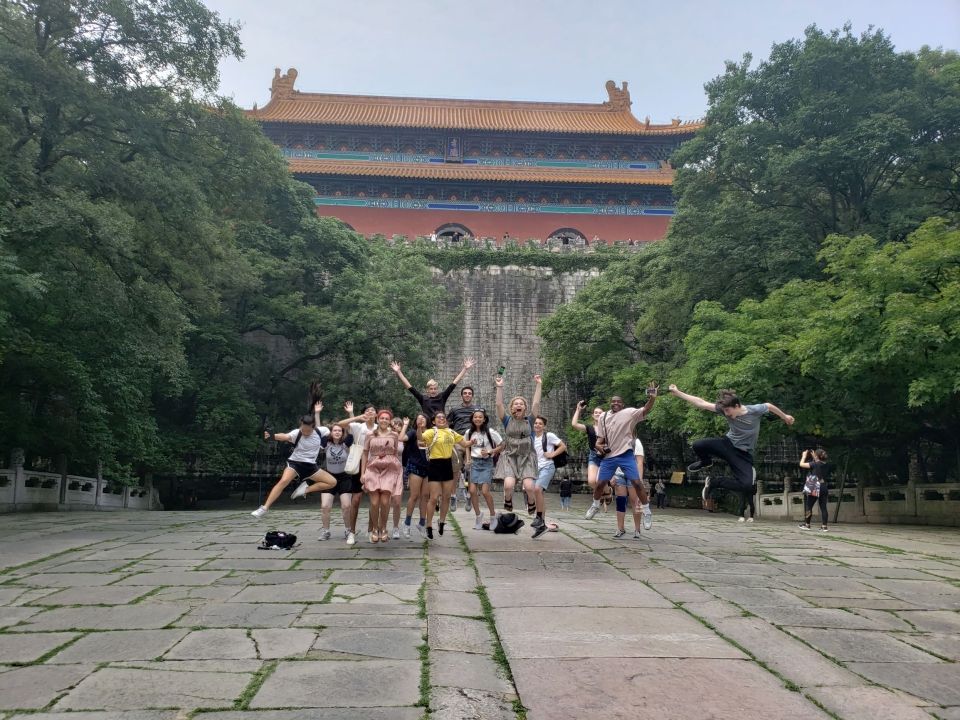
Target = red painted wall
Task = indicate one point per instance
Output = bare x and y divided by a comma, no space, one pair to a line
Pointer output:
413,223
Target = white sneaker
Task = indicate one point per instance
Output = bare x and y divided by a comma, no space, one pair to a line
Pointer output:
749,519
478,525
422,529
619,534
396,533
406,532
351,538
300,491
741,519
259,512
325,535
647,516
636,534
493,523
453,504
591,511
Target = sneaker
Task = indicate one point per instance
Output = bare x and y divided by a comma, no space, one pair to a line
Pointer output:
430,533
636,534
706,489
537,522
749,519
422,529
741,519
259,512
804,526
823,529
539,530
300,491
479,522
396,533
591,511
698,466
493,523
440,528
453,505
325,535
647,517
406,532
351,538
619,534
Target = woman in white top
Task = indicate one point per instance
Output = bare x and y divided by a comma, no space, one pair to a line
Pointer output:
487,444
359,426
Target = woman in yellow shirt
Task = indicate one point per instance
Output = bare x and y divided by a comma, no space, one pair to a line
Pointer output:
440,441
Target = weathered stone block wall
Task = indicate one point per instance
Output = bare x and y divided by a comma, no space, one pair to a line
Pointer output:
501,309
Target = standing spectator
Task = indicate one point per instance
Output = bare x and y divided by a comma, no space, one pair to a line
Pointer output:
816,489
661,491
566,493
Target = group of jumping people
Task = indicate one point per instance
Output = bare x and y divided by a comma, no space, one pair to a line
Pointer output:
376,454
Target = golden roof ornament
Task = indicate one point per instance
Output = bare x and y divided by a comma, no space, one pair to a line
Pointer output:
619,96
282,86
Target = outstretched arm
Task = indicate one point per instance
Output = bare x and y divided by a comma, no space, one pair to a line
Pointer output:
395,366
651,399
348,408
499,400
577,425
467,364
538,391
788,419
697,402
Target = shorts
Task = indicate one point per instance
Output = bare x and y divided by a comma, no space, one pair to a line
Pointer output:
481,471
303,470
545,475
625,461
343,486
355,485
418,468
593,458
440,470
620,479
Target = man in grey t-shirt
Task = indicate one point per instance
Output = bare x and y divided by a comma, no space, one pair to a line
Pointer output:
736,447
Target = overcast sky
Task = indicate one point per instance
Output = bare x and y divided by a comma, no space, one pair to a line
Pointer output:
554,50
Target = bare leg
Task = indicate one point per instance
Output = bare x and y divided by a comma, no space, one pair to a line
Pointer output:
416,489
286,477
447,489
508,485
374,514
395,502
435,489
326,503
324,480
488,496
635,505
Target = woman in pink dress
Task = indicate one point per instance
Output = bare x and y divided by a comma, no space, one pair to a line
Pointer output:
382,473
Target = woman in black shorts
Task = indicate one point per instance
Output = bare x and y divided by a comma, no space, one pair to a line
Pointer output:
302,463
337,446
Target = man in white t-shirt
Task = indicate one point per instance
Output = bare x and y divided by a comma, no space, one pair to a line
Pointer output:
547,446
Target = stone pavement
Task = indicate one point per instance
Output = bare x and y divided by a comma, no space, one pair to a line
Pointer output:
157,616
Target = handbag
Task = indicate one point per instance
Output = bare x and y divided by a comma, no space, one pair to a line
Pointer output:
353,459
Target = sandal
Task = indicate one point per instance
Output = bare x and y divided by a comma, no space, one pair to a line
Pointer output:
384,536
374,536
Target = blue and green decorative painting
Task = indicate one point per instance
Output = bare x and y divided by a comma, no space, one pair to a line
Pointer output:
495,207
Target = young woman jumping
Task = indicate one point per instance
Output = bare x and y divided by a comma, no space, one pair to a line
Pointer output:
518,459
593,460
487,445
440,441
381,473
417,470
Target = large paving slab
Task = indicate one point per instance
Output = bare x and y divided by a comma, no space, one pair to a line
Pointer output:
148,616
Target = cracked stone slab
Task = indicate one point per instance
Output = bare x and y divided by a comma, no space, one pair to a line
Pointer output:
551,592
119,645
276,643
174,577
458,634
70,579
454,703
853,646
345,683
938,682
136,688
111,595
613,632
467,670
35,686
868,702
319,615
28,647
301,592
145,617
10,616
220,644
379,577
242,615
102,715
614,689
389,643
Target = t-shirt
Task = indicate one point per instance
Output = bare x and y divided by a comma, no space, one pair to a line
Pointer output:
432,405
591,437
481,442
638,447
442,447
821,471
616,428
309,446
552,442
337,454
359,430
410,447
460,418
745,429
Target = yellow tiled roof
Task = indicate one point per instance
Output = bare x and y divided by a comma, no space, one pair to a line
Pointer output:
612,117
456,171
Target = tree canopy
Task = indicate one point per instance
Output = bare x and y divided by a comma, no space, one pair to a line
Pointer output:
165,285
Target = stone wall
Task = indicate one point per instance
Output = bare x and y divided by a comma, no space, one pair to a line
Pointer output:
501,309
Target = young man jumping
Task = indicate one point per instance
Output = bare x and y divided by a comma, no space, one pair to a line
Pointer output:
737,446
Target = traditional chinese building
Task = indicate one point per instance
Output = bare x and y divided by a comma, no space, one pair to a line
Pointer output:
480,168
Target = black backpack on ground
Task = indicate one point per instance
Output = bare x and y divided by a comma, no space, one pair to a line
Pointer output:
561,459
277,540
508,522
